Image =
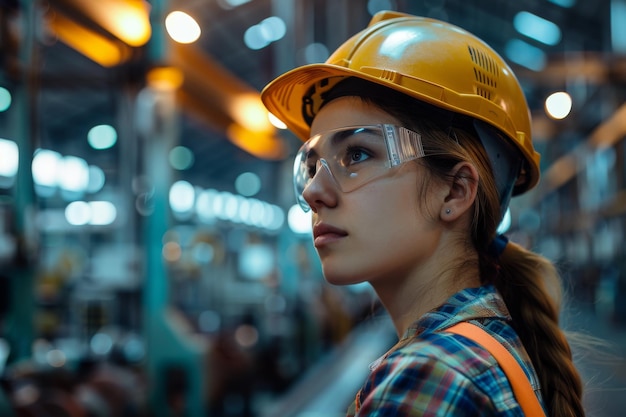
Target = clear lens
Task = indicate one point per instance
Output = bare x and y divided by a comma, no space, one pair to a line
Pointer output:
353,156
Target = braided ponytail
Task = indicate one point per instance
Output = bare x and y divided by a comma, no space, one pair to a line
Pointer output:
531,289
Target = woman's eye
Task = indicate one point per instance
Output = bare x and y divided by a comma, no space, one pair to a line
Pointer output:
356,155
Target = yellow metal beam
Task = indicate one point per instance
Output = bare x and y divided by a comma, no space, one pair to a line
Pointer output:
105,51
226,102
127,20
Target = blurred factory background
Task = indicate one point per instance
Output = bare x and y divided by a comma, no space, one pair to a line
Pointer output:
152,263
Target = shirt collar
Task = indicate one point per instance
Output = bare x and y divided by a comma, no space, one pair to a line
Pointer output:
468,304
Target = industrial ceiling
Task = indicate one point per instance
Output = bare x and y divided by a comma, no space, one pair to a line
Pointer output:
67,93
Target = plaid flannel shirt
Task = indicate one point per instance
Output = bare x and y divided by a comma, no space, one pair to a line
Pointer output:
433,373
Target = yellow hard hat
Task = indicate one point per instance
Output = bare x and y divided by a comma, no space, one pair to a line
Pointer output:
428,59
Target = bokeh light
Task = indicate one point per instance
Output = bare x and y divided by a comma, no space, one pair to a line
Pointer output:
182,28
181,158
5,99
102,136
248,184
558,105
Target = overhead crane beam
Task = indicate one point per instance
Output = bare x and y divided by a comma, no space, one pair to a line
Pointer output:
209,91
225,102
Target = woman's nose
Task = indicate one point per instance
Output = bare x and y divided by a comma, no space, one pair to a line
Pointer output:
322,189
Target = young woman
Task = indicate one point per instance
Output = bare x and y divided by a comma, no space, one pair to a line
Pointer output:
416,136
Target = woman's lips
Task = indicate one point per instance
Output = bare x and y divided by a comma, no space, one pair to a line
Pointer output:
324,234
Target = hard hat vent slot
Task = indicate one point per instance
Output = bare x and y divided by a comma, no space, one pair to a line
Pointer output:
486,71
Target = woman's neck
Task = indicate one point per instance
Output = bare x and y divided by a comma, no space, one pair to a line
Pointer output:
407,299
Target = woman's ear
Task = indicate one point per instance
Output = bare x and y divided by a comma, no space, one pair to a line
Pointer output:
461,192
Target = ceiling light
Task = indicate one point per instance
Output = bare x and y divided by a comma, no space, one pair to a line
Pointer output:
558,105
182,28
212,205
78,213
102,136
73,174
254,39
5,99
537,28
181,158
9,158
182,196
97,179
45,167
102,213
525,55
248,184
618,29
267,31
273,28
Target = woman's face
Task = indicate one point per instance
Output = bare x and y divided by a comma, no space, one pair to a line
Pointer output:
381,230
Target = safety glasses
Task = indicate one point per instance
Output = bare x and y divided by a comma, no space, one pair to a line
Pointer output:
353,156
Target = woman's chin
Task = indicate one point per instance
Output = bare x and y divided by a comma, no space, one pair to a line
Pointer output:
341,278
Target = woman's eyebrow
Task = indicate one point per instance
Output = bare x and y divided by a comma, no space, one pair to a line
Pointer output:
342,134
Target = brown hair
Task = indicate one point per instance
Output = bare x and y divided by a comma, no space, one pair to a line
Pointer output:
528,282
